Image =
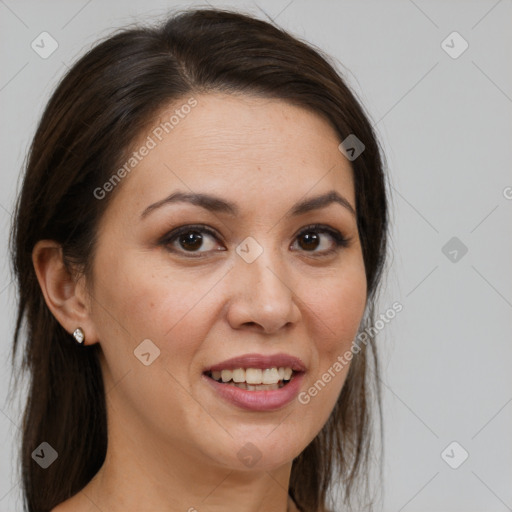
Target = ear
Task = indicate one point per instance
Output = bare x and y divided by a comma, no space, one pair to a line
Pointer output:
65,295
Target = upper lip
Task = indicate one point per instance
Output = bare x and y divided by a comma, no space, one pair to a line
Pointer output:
259,361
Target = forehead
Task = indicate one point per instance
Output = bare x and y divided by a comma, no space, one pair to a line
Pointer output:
242,147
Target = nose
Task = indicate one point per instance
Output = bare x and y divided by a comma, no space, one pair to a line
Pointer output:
262,295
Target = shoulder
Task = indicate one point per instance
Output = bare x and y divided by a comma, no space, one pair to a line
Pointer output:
62,507
76,503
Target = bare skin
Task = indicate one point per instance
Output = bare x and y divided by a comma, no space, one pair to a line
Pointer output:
173,441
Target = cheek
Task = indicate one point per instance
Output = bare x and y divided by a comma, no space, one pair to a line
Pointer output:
152,302
144,303
145,296
338,306
338,311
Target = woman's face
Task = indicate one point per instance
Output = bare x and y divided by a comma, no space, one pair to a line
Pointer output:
243,279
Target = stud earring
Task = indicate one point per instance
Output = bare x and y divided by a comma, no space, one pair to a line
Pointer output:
79,335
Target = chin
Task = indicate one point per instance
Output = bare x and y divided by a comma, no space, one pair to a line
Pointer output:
253,453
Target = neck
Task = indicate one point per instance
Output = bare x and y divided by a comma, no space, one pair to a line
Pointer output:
140,476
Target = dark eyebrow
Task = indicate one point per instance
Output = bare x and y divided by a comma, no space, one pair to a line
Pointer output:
321,201
217,204
209,202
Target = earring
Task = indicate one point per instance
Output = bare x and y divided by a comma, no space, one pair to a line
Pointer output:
79,335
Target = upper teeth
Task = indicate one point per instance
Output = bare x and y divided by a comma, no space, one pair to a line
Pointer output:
254,375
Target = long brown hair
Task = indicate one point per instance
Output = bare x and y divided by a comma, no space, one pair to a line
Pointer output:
89,124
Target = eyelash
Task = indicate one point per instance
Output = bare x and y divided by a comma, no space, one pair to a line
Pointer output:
339,240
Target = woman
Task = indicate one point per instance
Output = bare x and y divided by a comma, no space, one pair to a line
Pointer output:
199,239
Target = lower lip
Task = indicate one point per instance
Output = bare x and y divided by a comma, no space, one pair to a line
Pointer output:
258,400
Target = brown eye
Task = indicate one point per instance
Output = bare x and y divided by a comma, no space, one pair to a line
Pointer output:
191,241
311,238
310,241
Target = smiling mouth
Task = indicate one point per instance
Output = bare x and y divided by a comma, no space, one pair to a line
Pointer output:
252,380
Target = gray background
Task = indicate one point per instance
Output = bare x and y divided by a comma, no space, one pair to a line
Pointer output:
445,125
